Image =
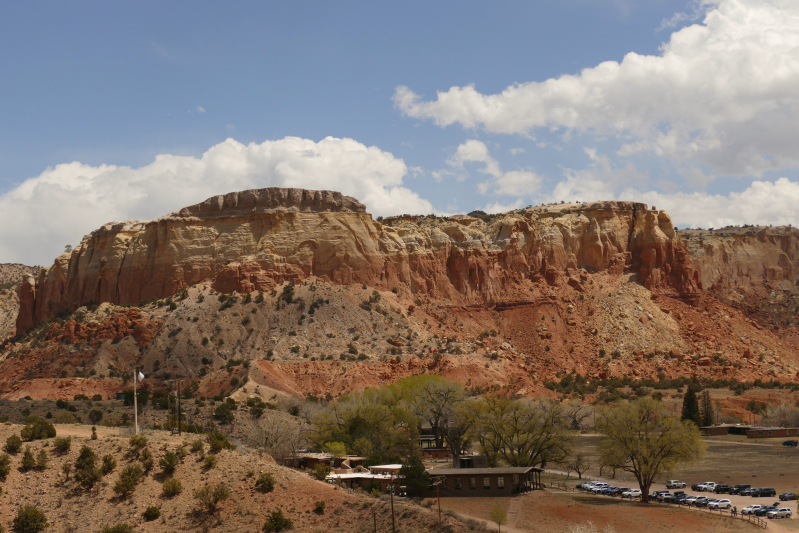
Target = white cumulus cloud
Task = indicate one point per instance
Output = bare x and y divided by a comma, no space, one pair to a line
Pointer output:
721,94
512,183
65,202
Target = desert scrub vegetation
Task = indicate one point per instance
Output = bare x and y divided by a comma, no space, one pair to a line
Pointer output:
277,522
13,444
109,464
265,483
152,513
169,462
5,466
29,519
212,496
118,528
128,479
36,429
218,442
171,487
86,471
62,444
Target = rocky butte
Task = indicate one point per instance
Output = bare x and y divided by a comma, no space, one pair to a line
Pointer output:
257,239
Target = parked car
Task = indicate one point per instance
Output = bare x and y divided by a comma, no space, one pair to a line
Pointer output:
738,488
598,487
655,494
690,500
792,443
674,484
782,512
634,493
680,498
695,487
748,491
785,496
660,495
722,489
764,510
700,501
720,504
765,493
750,509
706,502
707,486
619,491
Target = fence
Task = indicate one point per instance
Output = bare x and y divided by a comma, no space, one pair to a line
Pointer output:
752,519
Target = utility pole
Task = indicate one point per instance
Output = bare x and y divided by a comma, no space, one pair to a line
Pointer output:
437,484
393,524
374,516
179,433
135,405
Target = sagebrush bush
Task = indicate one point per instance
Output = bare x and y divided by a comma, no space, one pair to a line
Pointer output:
37,428
13,444
197,446
29,519
86,471
265,482
119,528
209,461
62,444
128,478
277,522
211,497
219,442
5,466
109,464
320,507
28,460
172,487
138,443
169,462
152,513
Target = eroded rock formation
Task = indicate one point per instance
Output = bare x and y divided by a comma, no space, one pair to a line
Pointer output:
256,239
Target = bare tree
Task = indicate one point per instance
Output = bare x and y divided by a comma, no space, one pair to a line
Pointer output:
281,436
579,463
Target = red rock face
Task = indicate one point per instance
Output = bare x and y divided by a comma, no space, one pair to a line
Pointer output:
258,239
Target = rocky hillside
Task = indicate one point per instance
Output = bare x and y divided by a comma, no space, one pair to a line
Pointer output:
258,239
301,292
10,276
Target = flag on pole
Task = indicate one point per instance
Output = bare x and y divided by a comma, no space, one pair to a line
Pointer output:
140,376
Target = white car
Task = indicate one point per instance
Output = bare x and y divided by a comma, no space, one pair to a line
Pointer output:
720,504
750,509
598,487
635,493
690,500
707,486
782,512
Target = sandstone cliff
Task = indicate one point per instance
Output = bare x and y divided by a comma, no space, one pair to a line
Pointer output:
257,239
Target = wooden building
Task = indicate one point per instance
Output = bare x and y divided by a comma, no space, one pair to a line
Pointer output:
766,433
504,481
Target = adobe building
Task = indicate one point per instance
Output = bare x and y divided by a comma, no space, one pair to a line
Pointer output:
502,481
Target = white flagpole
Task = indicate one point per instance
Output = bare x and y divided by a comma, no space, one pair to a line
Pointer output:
135,404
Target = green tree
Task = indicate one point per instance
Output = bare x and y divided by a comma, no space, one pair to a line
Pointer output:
336,449
5,466
640,437
13,444
690,407
128,478
86,471
413,475
37,428
29,519
169,462
28,460
498,515
708,416
432,398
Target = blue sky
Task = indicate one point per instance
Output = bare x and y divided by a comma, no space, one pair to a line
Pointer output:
112,111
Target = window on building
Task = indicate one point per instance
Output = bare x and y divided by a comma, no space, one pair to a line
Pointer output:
515,479
472,483
500,482
486,482
769,433
761,433
457,483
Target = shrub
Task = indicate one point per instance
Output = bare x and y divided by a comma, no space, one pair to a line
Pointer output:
147,461
5,466
277,522
320,472
119,528
29,519
169,462
28,460
13,444
42,460
211,497
265,483
152,513
223,413
197,446
109,464
62,444
128,478
172,487
209,461
320,507
37,428
219,442
95,415
94,433
86,472
137,443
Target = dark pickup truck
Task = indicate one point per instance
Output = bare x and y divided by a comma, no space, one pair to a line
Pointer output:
722,489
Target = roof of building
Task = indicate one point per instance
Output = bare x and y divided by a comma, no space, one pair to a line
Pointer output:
385,467
483,471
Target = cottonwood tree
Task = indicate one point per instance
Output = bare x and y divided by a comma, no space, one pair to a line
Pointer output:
579,463
459,428
640,437
280,435
432,399
523,432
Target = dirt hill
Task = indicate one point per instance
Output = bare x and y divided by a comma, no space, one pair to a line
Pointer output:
69,506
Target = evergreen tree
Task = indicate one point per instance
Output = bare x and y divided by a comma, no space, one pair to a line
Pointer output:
708,418
690,407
